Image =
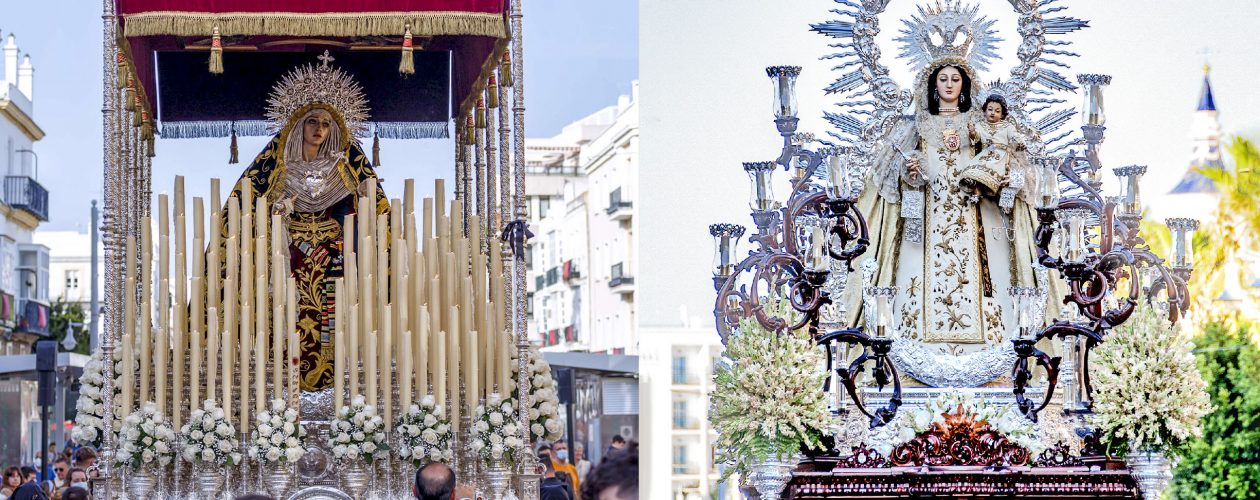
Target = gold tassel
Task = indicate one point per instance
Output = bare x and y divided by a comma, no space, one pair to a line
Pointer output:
469,130
407,65
124,74
146,133
505,69
481,113
233,158
492,92
376,150
216,53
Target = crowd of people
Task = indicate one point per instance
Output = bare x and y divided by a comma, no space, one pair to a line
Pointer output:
65,478
616,477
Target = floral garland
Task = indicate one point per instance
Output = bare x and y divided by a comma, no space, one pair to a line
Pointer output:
424,434
89,421
209,438
146,438
1148,392
358,433
277,435
496,436
543,401
767,401
1004,419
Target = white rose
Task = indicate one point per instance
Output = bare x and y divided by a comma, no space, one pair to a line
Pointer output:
277,404
553,425
435,455
507,407
218,413
482,426
148,440
339,450
413,430
273,455
162,447
537,429
264,429
496,418
261,417
275,421
207,422
429,436
225,445
352,452
478,445
357,400
276,439
289,428
367,447
359,436
533,414
427,401
496,439
207,455
223,429
294,454
290,414
196,435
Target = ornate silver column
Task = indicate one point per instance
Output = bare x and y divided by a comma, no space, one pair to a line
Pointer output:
111,181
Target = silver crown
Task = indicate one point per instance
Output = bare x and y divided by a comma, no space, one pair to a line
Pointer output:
321,83
948,31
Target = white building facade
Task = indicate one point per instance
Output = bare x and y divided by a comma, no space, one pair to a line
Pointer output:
579,187
675,381
24,263
70,266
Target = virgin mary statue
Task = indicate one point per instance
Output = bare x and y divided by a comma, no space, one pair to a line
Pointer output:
310,173
941,238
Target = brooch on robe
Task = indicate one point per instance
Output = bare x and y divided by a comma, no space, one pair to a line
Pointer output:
951,139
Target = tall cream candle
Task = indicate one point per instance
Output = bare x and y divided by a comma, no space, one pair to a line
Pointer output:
161,339
214,292
146,309
225,343
405,371
212,348
473,377
348,310
278,334
179,324
127,374
371,368
245,327
294,348
454,368
439,374
339,345
194,351
262,259
129,324
386,367
421,352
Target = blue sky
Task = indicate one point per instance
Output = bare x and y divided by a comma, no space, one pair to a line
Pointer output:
579,56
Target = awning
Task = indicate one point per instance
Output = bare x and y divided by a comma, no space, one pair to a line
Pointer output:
166,46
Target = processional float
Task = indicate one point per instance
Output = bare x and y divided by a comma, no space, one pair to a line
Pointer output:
310,343
834,250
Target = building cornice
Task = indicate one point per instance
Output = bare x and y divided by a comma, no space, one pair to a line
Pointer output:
21,120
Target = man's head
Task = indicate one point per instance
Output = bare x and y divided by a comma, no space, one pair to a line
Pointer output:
75,493
78,475
618,442
560,450
28,474
434,481
85,457
60,467
579,452
545,460
616,478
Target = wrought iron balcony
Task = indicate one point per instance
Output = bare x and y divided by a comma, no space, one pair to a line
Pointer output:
24,193
618,208
33,317
619,281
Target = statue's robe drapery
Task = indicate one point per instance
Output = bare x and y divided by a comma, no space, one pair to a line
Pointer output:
315,252
953,279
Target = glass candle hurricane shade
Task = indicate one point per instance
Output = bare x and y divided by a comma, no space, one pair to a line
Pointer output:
839,185
879,301
762,193
783,78
1093,108
1048,182
1182,230
1024,299
1130,198
725,243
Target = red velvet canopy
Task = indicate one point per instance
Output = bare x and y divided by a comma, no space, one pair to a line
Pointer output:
473,32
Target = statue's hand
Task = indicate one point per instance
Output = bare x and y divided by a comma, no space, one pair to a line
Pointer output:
284,207
914,172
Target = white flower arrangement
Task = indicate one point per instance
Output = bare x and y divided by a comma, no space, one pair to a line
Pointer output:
89,419
358,433
146,438
543,401
1004,419
277,435
209,437
767,401
496,435
425,434
1148,392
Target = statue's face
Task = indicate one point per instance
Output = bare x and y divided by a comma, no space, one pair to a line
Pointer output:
315,129
949,84
993,112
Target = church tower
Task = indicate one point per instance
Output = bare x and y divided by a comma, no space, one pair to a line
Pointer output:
1195,195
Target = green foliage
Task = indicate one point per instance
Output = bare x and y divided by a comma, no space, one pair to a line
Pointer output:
1234,226
59,318
1225,462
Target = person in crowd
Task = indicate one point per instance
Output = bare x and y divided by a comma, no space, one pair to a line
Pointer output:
551,487
76,493
618,443
544,450
436,481
12,480
76,478
580,462
560,458
85,458
30,489
616,477
61,469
